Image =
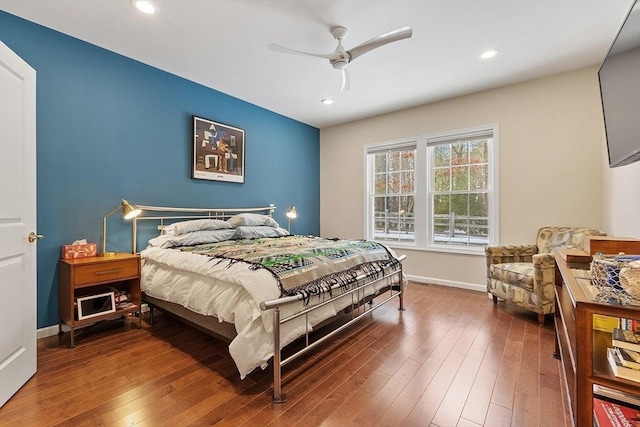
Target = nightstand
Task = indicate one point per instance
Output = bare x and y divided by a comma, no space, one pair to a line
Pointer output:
97,288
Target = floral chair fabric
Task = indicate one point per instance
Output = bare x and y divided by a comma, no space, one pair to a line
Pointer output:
525,274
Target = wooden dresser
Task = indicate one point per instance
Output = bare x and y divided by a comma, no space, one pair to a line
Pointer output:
583,348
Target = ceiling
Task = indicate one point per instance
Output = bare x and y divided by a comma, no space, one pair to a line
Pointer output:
222,44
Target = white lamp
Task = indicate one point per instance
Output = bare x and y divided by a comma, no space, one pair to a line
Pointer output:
129,211
291,214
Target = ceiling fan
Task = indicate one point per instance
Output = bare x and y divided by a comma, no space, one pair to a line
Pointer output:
341,57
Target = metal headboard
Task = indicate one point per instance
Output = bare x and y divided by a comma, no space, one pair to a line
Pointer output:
167,215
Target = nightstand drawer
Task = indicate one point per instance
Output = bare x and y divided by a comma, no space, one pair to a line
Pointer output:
105,272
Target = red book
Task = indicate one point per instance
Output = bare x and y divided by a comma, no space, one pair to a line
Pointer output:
608,414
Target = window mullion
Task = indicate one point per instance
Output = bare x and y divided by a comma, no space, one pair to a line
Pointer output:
422,178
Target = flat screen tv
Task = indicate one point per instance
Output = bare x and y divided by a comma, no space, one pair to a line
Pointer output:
619,78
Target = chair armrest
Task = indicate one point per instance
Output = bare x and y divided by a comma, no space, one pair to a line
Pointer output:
510,253
544,275
544,261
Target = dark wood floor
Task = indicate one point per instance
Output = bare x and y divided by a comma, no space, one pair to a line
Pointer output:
450,359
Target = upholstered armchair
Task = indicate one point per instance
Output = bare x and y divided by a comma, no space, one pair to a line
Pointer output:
525,274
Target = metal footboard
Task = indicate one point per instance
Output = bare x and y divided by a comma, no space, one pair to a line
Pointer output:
358,311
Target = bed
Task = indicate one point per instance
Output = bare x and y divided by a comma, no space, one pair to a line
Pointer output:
237,275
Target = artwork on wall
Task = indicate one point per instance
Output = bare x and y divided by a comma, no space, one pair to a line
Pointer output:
218,151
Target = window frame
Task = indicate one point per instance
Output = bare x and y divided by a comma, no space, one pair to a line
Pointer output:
423,173
371,194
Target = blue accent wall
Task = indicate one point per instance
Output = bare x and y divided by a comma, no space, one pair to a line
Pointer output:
109,127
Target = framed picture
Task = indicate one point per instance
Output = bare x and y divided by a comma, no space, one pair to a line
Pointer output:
218,151
96,305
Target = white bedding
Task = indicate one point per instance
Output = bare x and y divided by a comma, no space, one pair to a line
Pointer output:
232,293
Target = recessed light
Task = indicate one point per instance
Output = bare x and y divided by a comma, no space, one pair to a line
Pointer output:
488,54
144,6
327,101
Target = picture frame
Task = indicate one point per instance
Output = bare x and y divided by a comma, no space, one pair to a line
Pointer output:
96,305
218,151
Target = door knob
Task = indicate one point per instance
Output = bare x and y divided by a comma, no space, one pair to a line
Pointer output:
33,237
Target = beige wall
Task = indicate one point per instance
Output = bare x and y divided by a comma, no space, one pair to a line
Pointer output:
551,164
621,198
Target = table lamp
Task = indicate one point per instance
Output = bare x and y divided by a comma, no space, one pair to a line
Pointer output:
129,211
291,214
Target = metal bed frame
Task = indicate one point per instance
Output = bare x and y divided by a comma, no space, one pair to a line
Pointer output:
357,291
360,311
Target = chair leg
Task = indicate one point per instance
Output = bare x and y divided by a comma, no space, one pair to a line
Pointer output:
540,319
495,300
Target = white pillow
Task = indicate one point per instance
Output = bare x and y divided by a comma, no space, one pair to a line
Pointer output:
250,219
184,227
258,232
193,238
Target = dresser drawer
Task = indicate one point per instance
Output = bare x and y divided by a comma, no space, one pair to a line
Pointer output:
92,274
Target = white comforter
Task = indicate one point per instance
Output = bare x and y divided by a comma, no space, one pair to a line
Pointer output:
232,293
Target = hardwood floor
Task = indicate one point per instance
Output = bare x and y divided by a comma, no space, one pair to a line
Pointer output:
450,359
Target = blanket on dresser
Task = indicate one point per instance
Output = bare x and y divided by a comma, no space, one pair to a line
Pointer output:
306,265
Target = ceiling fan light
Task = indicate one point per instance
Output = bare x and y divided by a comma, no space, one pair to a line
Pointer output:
340,64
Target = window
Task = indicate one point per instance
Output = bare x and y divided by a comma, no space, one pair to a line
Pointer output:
436,192
394,194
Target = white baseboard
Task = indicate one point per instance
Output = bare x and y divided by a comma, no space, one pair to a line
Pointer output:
452,284
49,331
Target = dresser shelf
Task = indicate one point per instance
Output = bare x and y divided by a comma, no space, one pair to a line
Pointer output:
583,349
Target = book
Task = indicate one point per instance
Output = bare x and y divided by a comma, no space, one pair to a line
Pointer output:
126,305
605,323
619,370
122,299
625,339
610,414
629,358
617,395
630,324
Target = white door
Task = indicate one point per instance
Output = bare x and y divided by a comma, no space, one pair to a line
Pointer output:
17,220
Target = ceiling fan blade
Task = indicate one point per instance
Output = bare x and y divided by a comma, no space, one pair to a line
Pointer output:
344,86
381,40
282,49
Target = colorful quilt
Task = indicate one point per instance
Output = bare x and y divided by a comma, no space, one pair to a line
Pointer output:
305,265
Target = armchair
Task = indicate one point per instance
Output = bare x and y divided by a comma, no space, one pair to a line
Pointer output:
525,274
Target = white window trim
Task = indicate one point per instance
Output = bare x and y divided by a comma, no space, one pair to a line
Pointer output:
423,172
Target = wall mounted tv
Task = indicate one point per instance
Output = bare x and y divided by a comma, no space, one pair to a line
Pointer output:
619,78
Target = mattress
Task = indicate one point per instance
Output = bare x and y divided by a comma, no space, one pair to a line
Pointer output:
231,292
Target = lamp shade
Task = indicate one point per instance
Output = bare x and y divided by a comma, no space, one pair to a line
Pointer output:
129,211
